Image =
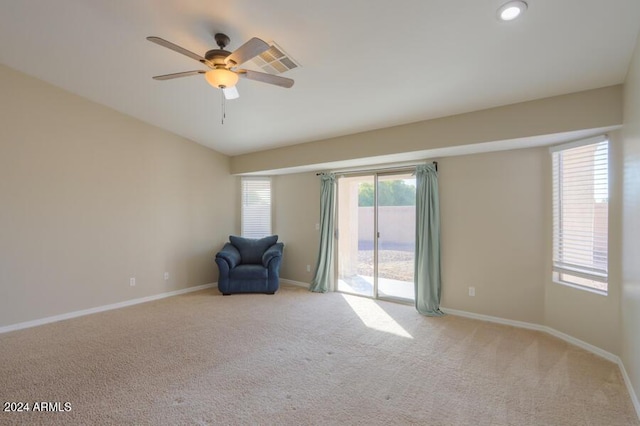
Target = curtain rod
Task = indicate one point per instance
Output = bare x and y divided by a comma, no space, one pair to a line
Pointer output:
435,163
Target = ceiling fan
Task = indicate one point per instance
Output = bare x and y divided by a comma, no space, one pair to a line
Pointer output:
224,72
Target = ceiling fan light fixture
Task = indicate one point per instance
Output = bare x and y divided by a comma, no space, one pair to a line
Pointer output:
511,10
221,78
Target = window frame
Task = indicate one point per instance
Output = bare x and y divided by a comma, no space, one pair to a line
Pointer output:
560,267
243,205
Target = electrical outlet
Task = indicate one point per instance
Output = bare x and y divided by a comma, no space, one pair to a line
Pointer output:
308,268
317,226
132,282
166,276
472,291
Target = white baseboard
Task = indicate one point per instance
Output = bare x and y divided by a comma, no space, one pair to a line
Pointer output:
582,344
531,326
632,392
567,338
69,315
498,320
295,283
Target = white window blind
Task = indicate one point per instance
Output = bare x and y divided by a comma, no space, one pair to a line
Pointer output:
580,213
256,207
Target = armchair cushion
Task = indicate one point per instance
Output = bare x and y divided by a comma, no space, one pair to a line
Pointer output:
230,254
251,250
271,253
249,272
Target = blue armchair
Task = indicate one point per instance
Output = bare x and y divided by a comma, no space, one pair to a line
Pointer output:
249,265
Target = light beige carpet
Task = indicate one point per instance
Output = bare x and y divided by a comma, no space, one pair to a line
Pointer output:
302,358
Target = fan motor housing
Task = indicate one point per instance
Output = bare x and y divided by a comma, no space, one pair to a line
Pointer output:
217,56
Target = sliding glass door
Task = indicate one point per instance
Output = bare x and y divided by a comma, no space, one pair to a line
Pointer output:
396,220
376,235
355,235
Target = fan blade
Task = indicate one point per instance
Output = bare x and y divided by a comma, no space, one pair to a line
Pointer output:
247,51
178,74
231,93
176,48
266,78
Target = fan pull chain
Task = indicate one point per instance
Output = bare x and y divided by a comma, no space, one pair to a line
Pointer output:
224,112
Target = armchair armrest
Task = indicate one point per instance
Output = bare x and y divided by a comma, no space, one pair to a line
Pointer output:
271,253
230,254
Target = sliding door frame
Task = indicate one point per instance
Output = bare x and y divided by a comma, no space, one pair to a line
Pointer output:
376,233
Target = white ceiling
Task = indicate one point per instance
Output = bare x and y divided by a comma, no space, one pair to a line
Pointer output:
366,64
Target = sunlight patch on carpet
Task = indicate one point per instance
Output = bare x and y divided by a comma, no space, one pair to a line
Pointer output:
374,317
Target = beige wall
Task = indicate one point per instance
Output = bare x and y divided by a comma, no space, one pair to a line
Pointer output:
90,197
492,209
630,306
296,213
574,112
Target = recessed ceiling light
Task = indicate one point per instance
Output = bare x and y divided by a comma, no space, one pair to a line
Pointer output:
511,10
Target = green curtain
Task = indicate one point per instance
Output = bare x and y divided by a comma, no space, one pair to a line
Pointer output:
324,267
427,264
